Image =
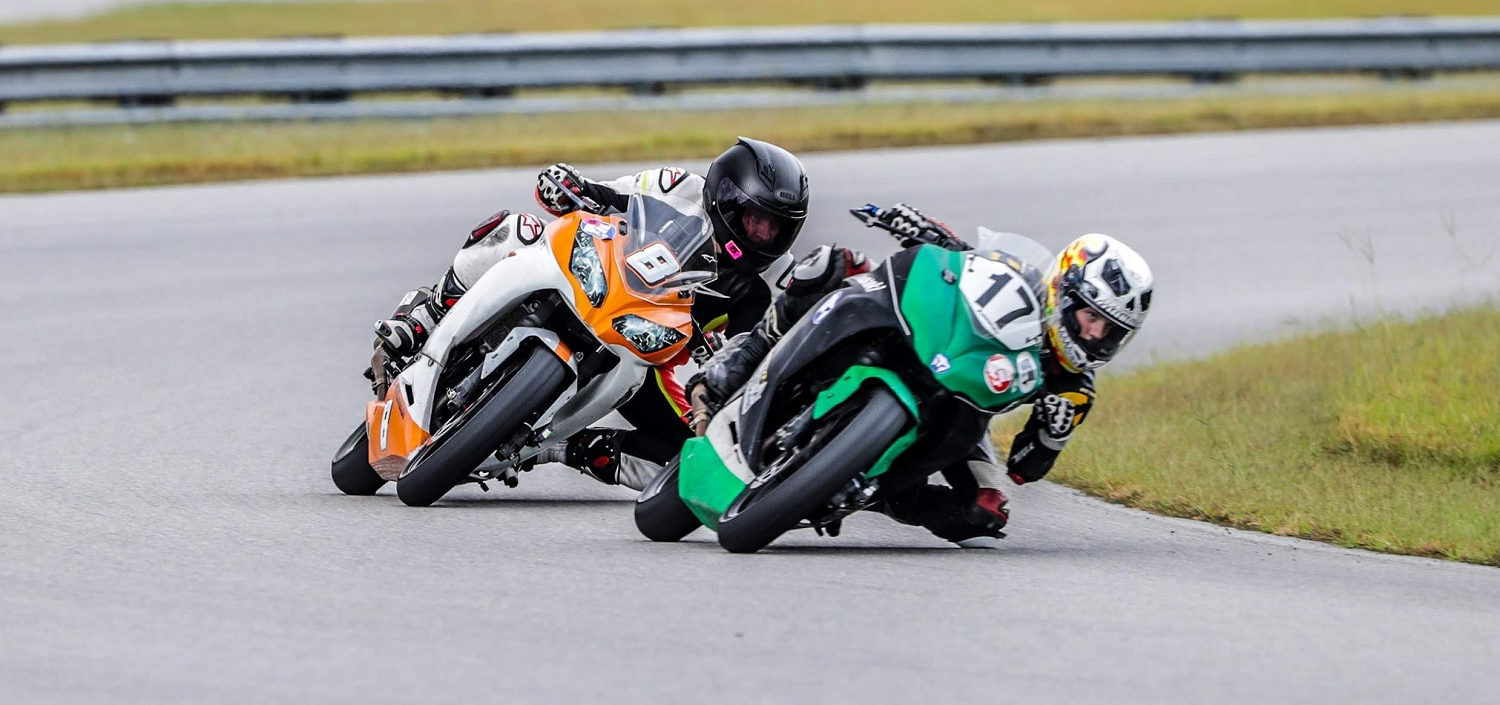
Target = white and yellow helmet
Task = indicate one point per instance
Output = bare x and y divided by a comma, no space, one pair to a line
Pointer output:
1105,275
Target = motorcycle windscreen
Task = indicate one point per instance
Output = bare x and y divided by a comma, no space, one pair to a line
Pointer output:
668,251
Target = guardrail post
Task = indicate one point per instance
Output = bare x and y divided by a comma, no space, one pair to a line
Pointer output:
146,101
319,97
490,92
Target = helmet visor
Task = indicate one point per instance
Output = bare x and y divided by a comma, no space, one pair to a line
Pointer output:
1099,335
754,226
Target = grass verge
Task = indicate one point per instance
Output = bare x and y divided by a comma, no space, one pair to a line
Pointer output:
1386,437
401,17
104,157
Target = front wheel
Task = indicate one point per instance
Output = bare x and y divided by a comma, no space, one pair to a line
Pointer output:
352,473
659,512
450,456
766,510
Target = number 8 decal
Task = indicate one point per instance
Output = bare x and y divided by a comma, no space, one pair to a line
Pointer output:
654,263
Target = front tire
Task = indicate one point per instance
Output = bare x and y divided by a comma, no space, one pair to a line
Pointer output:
352,473
660,513
447,459
763,513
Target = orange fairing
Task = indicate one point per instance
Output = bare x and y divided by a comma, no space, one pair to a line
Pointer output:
669,309
394,436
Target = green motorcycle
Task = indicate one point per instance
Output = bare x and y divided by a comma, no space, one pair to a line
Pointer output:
850,404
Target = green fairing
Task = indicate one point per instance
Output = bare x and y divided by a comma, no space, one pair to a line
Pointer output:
854,378
705,484
941,324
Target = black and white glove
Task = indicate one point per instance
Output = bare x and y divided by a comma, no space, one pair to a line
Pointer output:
553,199
917,228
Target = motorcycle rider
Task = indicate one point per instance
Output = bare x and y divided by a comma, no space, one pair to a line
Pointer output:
755,198
1095,297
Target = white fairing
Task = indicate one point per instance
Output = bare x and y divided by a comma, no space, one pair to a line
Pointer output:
719,434
505,285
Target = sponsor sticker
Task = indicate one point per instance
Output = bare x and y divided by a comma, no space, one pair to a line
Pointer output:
827,307
385,424
528,228
1027,372
940,364
999,373
669,177
869,282
598,229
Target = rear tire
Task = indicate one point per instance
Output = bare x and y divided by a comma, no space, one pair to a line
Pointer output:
762,514
446,461
660,513
352,473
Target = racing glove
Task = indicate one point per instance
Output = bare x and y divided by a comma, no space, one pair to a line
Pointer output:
917,228
550,197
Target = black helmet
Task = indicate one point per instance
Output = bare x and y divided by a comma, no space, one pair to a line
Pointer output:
756,195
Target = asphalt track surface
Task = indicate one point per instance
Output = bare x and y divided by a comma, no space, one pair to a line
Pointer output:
181,363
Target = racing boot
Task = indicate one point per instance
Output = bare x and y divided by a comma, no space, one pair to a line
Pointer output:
406,330
593,451
949,515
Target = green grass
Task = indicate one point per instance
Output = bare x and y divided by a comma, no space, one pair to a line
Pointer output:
105,157
236,20
1386,437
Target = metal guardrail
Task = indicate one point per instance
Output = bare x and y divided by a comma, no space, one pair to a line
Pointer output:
155,73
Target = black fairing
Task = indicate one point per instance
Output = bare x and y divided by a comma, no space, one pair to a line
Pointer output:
851,326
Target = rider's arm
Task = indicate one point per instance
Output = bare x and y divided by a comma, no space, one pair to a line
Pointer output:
613,194
1063,404
822,271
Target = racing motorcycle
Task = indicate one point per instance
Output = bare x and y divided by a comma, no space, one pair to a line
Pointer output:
848,406
549,340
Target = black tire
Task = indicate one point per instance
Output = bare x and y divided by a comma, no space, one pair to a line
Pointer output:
352,473
762,514
660,513
444,462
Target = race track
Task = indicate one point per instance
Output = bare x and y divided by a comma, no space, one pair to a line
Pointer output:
182,362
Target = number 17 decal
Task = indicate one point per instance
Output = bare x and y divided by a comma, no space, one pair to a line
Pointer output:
998,297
